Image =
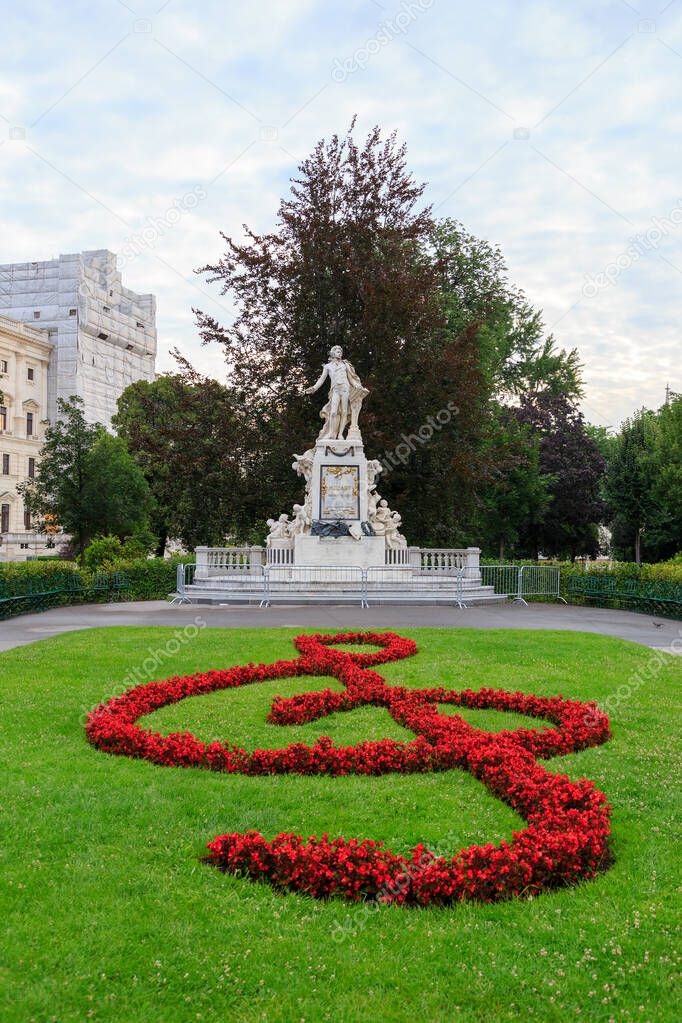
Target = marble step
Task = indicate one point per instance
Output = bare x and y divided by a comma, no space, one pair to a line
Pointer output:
338,595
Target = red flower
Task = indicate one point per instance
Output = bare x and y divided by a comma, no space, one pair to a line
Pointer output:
568,822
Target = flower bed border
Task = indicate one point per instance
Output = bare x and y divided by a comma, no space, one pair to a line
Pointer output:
566,839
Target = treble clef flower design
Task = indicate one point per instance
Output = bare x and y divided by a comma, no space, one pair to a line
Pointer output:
567,823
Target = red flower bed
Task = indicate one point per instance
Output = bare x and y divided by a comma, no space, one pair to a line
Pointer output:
566,839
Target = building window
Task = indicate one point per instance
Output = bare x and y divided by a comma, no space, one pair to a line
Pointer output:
27,519
106,308
5,465
72,312
29,424
36,315
30,373
3,365
4,518
31,467
3,417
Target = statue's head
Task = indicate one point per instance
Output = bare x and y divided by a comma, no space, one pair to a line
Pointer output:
336,352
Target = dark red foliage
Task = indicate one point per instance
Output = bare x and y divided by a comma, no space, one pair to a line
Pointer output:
566,839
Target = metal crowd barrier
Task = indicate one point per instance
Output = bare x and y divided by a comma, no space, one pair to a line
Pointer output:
281,582
539,581
391,582
184,577
504,579
400,585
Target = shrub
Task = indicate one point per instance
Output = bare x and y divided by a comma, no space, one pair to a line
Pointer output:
104,550
149,578
664,571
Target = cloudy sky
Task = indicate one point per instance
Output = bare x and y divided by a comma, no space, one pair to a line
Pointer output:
552,130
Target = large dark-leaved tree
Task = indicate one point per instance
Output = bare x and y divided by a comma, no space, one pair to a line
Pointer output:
573,466
351,262
183,432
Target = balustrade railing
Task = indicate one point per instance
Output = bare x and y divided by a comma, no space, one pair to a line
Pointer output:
213,561
216,561
397,556
449,560
280,555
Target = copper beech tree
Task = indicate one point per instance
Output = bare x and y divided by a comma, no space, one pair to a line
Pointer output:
351,262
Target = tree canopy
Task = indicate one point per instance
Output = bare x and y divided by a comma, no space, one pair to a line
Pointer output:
425,312
86,480
473,407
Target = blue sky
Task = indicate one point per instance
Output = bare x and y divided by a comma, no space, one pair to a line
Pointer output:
551,130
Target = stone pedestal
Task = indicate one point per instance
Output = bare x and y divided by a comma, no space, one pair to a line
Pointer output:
339,482
340,551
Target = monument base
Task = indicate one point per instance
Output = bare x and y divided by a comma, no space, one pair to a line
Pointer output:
341,551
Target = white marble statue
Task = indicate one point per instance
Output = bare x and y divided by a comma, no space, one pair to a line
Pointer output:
346,395
279,529
302,520
387,523
373,498
374,467
394,538
303,466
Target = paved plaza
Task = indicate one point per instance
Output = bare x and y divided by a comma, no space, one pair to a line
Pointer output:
660,633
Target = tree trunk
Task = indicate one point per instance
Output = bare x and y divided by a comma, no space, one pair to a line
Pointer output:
163,540
501,550
638,547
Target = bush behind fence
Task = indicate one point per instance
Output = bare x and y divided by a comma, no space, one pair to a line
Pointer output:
148,578
667,572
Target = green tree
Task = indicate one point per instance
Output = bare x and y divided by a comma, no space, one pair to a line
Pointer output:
516,496
424,311
644,484
147,420
667,456
184,432
350,263
117,492
573,465
631,483
515,356
86,480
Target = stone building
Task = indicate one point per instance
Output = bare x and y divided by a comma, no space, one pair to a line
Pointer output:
24,358
103,335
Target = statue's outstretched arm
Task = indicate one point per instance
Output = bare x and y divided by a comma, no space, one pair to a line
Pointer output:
318,384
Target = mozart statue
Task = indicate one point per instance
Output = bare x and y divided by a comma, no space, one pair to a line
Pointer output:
346,395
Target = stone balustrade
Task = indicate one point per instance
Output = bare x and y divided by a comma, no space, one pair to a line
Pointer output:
447,560
219,561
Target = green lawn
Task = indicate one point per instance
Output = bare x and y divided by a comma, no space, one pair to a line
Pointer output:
108,914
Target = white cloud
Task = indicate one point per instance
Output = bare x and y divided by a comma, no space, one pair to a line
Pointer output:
124,136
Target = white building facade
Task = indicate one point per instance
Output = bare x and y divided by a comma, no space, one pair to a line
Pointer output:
24,358
103,335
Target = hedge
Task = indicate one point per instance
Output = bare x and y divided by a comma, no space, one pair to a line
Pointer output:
664,571
148,578
154,578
